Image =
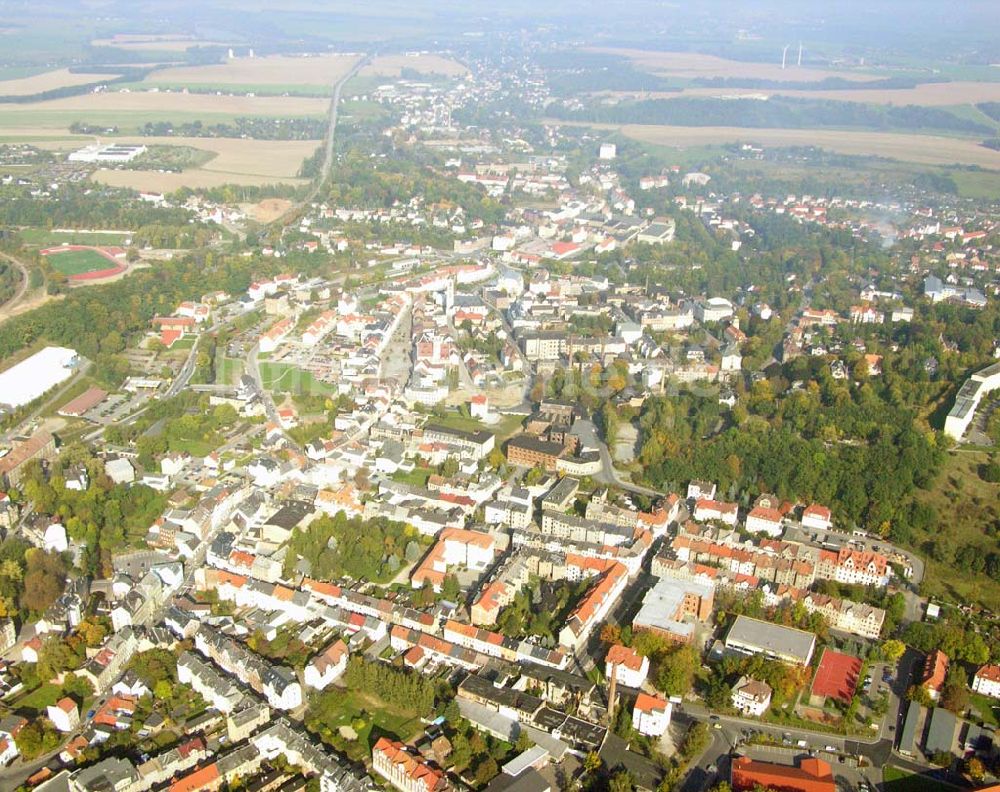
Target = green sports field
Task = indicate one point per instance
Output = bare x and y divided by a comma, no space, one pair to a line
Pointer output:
79,262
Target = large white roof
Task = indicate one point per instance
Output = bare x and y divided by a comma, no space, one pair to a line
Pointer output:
30,378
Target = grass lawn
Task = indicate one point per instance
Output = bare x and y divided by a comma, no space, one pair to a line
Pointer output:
183,343
416,478
228,371
45,238
76,262
897,780
977,184
39,698
965,505
988,708
344,708
196,448
507,426
287,378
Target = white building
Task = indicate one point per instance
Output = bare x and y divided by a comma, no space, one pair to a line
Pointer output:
709,510
751,696
327,666
29,379
651,715
628,667
608,151
817,517
764,520
987,681
64,714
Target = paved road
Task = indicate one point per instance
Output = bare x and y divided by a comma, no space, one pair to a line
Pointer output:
331,128
587,432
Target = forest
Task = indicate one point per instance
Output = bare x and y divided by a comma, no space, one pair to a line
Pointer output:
777,112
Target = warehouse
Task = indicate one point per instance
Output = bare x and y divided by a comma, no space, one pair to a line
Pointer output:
29,379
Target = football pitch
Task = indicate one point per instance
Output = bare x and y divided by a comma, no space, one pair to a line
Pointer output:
79,262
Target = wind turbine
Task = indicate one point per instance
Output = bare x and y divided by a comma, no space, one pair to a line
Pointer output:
784,53
799,62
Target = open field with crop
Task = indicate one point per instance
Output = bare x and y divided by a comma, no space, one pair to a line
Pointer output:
924,149
693,64
928,94
48,81
425,63
275,70
235,161
160,102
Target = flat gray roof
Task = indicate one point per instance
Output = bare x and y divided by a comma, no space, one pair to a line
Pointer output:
774,639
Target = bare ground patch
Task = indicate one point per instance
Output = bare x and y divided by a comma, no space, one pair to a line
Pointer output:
268,210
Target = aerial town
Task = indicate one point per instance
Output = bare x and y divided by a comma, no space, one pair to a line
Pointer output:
506,454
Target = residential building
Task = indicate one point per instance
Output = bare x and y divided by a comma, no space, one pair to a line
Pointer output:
626,665
935,670
404,769
987,681
651,715
751,696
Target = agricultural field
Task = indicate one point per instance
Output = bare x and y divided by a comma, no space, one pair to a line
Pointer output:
158,43
127,104
927,94
47,81
692,65
233,161
923,149
274,70
425,63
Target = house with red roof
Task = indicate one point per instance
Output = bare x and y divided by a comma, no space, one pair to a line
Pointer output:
987,681
762,519
817,517
935,670
811,775
651,715
405,769
628,666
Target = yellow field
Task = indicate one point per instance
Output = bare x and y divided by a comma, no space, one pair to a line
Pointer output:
47,81
236,162
166,102
693,64
929,94
274,70
924,149
425,63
